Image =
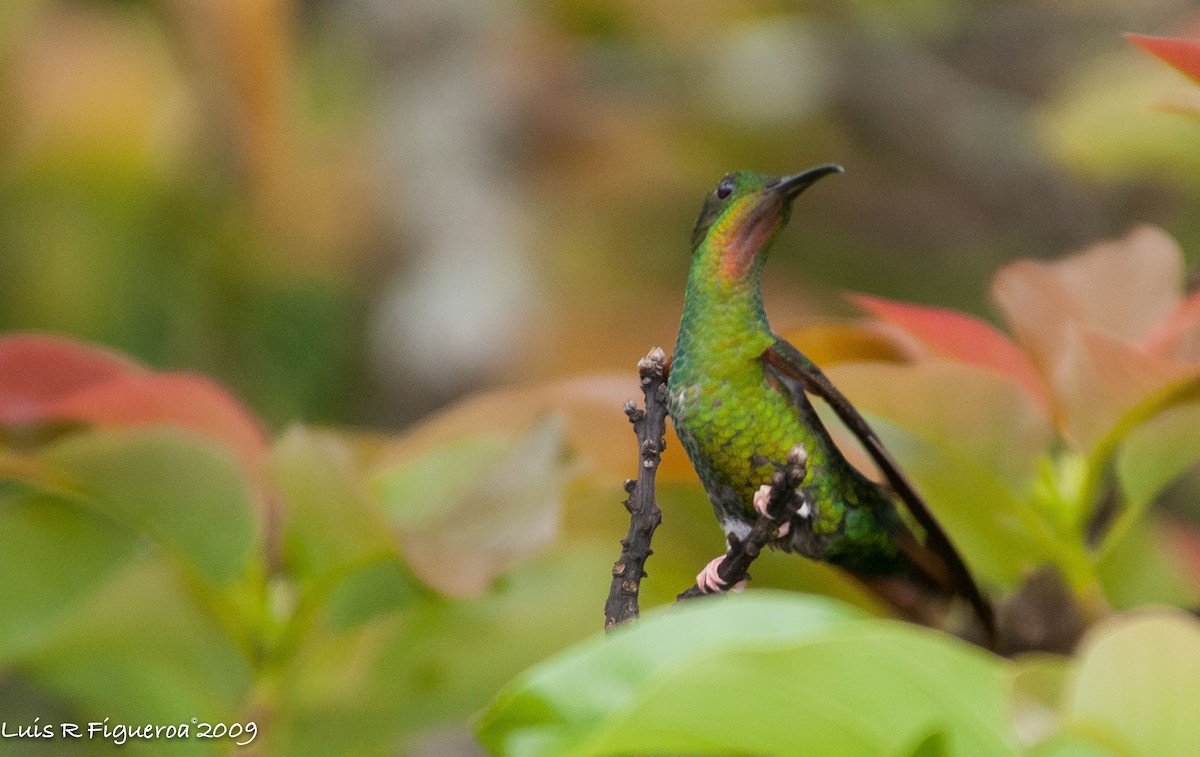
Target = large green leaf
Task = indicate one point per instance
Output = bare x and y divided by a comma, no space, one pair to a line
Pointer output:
187,493
1137,682
53,551
763,673
143,649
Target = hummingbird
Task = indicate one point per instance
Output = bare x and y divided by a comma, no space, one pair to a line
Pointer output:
738,397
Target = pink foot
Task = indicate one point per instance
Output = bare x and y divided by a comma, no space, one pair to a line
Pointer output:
761,498
710,582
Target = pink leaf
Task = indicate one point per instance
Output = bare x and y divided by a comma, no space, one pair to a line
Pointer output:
961,337
1182,54
828,344
1177,336
500,500
1097,379
37,369
1123,288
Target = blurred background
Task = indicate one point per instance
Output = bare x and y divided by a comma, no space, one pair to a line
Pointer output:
354,211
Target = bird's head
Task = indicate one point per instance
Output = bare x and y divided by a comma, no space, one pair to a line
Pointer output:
745,212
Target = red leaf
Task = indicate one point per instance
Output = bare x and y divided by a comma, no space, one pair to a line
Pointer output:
46,378
37,369
1182,54
177,399
962,337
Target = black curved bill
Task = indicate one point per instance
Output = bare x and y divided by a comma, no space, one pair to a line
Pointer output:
793,185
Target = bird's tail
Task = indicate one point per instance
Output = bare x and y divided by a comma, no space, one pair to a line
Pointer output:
931,571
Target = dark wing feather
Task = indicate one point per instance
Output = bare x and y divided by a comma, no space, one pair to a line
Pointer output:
800,374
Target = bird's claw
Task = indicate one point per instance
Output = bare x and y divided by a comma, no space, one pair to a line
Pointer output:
710,582
762,499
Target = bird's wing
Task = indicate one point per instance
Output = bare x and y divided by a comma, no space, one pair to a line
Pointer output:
800,374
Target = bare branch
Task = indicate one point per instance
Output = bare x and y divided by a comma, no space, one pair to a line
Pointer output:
644,513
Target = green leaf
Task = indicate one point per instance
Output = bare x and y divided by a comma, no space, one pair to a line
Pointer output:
187,493
1137,681
1143,475
1076,745
1156,452
1135,570
928,745
377,588
55,551
142,649
1038,683
763,673
332,523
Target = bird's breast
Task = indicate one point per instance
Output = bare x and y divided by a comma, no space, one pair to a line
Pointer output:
731,426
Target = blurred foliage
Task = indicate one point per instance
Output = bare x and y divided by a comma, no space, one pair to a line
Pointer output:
354,212
353,593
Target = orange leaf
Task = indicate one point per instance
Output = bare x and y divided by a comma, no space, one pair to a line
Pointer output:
37,369
962,337
1182,54
828,344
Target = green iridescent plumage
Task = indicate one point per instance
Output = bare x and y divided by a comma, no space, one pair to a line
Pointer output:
738,397
731,414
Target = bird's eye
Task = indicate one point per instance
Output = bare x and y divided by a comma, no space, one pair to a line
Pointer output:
724,189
